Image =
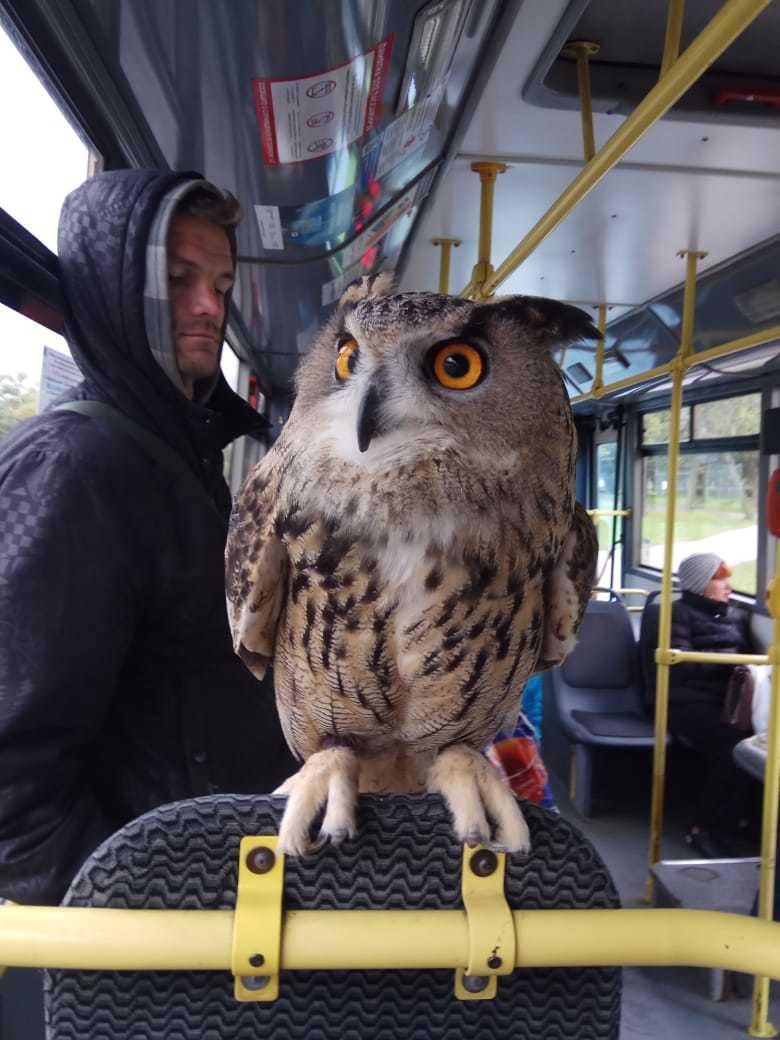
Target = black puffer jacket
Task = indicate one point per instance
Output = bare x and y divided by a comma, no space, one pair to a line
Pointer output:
119,689
705,625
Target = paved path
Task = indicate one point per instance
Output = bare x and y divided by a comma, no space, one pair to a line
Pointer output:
737,545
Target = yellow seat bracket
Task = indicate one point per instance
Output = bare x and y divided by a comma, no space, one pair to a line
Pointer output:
257,929
492,943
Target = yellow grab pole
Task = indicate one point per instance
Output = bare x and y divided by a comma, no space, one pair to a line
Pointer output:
444,261
469,289
583,51
598,381
733,17
665,620
100,939
760,1025
675,10
488,171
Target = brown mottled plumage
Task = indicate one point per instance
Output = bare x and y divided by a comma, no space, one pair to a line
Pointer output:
408,553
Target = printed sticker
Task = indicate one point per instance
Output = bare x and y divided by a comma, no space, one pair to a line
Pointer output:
307,118
409,132
270,227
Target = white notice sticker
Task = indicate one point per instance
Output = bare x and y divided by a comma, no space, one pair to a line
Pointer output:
409,132
59,372
306,118
270,227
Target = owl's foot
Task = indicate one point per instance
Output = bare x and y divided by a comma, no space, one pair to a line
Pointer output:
474,794
327,776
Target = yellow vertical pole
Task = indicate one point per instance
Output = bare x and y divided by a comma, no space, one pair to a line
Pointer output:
598,380
674,22
665,621
488,171
583,51
444,261
760,1024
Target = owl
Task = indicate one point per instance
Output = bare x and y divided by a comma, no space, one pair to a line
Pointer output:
409,552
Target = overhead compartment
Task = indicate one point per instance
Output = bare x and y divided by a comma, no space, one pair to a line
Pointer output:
740,87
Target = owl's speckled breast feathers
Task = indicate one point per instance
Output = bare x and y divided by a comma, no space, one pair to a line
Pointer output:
410,551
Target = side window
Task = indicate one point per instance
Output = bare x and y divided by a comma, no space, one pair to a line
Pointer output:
606,476
717,485
43,159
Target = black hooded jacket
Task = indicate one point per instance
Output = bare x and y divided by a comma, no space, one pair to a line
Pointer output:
119,688
706,626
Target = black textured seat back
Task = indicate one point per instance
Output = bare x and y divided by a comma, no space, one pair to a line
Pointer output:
185,856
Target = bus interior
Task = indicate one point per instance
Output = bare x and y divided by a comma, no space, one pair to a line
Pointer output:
622,157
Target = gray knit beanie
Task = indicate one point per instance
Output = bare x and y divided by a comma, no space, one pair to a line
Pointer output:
696,571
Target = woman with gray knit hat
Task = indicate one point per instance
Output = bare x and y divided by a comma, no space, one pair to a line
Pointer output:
702,621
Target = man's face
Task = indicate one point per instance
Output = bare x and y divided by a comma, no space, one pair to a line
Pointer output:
200,273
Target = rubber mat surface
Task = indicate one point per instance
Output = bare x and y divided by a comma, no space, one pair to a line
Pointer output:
185,856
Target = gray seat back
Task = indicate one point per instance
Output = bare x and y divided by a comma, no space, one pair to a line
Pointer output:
597,689
185,856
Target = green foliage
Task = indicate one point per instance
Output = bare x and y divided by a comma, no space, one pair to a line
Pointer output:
655,426
18,400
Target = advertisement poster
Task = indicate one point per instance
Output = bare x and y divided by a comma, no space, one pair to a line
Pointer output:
310,117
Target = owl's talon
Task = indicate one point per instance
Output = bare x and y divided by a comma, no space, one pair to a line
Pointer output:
477,837
327,776
332,837
473,791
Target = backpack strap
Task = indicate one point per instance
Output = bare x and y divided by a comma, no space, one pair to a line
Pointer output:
156,446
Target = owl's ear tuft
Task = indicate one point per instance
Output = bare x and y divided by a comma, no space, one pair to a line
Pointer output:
379,284
550,320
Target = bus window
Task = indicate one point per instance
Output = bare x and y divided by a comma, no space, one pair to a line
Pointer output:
43,159
43,156
606,475
22,343
717,489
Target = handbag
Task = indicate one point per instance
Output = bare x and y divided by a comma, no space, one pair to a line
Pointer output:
738,702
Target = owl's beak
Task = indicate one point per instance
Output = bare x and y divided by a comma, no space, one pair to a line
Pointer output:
368,425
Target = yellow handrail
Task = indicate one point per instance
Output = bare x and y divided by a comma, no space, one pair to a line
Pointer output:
665,616
182,940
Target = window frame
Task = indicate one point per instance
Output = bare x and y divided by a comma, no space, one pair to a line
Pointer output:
766,384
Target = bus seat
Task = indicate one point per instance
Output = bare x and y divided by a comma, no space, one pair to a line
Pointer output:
597,693
184,856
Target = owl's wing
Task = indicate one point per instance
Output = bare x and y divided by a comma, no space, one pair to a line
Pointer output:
256,572
568,590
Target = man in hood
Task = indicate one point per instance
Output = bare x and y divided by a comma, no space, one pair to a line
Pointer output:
119,689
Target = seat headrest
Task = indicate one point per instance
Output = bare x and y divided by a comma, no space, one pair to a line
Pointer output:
605,654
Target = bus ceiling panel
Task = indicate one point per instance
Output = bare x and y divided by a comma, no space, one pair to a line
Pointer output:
509,120
742,86
619,246
317,114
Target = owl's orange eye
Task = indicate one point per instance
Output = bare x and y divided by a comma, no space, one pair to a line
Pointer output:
458,366
346,359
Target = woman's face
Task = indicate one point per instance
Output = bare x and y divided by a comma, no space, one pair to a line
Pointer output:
718,589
